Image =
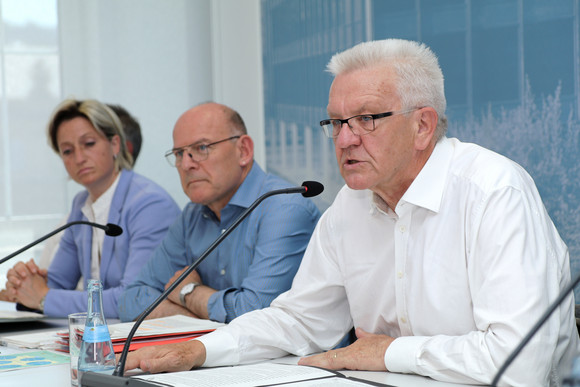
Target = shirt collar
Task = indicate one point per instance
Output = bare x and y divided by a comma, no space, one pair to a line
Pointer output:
250,188
102,204
427,189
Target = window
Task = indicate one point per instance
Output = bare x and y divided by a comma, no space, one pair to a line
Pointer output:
33,182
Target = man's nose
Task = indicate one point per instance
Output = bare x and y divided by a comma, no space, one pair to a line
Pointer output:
346,137
187,161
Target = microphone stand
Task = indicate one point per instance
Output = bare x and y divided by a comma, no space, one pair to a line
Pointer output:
90,379
110,229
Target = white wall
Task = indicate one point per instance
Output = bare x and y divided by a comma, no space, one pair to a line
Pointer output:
159,58
237,64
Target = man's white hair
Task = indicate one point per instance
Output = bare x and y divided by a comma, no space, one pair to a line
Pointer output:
420,79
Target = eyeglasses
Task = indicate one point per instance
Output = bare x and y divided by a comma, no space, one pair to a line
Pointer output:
197,151
359,125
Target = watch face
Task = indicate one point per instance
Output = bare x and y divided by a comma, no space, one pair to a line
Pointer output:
185,291
187,288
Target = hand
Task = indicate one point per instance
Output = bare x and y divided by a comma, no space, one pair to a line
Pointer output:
21,271
167,358
6,296
167,308
174,295
27,284
367,353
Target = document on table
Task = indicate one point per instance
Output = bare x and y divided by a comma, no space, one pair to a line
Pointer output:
9,314
34,340
262,374
164,326
151,332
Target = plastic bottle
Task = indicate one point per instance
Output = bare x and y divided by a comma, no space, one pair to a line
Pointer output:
96,354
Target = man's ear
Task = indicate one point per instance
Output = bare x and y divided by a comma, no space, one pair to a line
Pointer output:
427,119
246,149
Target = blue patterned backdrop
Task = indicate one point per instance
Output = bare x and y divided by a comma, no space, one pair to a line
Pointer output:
512,70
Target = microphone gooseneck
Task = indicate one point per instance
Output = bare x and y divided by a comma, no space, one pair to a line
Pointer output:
110,229
314,187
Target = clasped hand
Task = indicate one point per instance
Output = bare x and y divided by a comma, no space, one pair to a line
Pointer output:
27,284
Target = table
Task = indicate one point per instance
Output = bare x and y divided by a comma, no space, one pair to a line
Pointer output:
59,375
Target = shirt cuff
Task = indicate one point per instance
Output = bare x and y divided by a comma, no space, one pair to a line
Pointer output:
220,349
216,310
403,353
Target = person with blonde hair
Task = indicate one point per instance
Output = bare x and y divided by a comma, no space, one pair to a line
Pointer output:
89,138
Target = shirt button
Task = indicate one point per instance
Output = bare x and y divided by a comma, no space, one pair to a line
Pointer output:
223,272
400,274
205,216
403,320
223,230
402,229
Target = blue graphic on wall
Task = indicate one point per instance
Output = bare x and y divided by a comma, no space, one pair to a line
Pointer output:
512,79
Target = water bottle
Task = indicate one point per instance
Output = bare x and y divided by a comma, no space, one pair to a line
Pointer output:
96,354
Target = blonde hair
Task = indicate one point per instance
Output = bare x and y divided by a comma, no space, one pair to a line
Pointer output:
103,119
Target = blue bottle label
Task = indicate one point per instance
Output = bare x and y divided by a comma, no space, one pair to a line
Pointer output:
96,334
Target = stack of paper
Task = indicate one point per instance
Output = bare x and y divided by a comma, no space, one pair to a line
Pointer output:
8,313
158,331
40,340
151,332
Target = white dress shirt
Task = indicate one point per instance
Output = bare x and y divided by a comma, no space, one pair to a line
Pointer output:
98,212
458,274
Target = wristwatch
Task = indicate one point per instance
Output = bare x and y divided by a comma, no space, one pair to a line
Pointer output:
41,304
186,290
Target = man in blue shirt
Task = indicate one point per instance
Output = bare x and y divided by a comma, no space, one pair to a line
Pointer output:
257,261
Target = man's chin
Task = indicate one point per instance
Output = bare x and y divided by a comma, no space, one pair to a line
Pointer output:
356,184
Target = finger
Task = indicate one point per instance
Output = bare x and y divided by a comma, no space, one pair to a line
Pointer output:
156,366
11,290
21,270
132,361
179,272
32,266
330,360
360,333
13,280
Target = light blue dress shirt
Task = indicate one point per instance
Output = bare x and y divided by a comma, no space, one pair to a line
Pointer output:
252,266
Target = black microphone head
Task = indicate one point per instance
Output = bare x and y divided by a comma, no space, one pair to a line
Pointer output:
313,188
113,230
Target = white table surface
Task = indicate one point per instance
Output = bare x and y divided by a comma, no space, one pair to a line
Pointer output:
59,375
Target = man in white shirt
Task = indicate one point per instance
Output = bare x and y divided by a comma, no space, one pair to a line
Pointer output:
440,253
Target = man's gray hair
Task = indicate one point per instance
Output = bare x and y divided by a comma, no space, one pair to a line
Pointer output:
420,79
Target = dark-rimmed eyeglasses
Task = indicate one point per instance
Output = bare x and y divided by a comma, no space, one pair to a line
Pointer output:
198,151
359,125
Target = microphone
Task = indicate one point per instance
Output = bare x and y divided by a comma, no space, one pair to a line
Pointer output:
561,297
90,379
312,188
110,230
